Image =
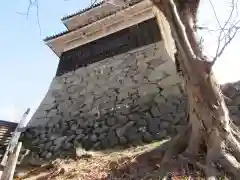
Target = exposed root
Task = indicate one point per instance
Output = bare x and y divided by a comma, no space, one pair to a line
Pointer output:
177,145
193,162
229,163
52,174
233,146
215,161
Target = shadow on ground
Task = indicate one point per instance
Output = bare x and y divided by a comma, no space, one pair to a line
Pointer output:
146,165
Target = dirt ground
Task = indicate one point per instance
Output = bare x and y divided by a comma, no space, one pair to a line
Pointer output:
127,164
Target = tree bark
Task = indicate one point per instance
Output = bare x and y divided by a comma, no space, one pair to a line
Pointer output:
212,130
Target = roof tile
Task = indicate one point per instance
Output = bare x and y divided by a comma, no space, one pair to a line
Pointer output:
133,2
83,10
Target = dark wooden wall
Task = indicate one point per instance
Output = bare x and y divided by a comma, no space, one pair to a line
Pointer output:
6,131
142,34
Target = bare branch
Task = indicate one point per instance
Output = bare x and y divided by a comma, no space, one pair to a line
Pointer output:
215,14
230,38
38,20
222,31
32,3
212,30
29,7
226,34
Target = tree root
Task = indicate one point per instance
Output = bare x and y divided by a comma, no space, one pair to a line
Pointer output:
216,161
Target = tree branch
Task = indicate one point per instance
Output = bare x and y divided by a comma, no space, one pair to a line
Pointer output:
227,33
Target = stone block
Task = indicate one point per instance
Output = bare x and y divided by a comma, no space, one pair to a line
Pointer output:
169,81
236,119
59,141
122,95
94,138
52,113
34,122
120,131
172,90
167,117
142,68
164,124
146,89
112,139
153,126
141,122
111,121
159,99
134,117
127,82
233,109
122,119
48,99
101,129
44,107
157,74
40,114
125,110
54,120
74,127
155,112
72,89
161,135
147,137
122,141
168,68
133,135
155,62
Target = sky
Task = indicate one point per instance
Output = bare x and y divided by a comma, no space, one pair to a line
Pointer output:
27,65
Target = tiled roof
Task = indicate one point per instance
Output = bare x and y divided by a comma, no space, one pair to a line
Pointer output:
83,10
133,2
7,122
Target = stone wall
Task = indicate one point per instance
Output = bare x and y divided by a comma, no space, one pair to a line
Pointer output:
127,99
124,100
232,99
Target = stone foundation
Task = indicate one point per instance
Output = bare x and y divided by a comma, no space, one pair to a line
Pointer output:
121,101
127,99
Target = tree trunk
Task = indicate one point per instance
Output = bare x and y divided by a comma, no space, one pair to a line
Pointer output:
212,131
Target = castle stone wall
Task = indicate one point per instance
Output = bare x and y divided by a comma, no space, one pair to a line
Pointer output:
127,99
122,101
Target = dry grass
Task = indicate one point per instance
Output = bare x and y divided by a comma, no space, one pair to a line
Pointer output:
100,165
112,165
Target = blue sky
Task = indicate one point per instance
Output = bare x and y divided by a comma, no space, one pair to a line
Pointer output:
28,65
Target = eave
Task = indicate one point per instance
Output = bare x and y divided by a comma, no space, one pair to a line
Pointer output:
103,27
93,13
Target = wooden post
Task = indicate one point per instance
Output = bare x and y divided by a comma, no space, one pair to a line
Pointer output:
9,169
12,152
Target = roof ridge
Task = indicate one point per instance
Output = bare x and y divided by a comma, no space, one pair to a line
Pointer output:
133,2
83,10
